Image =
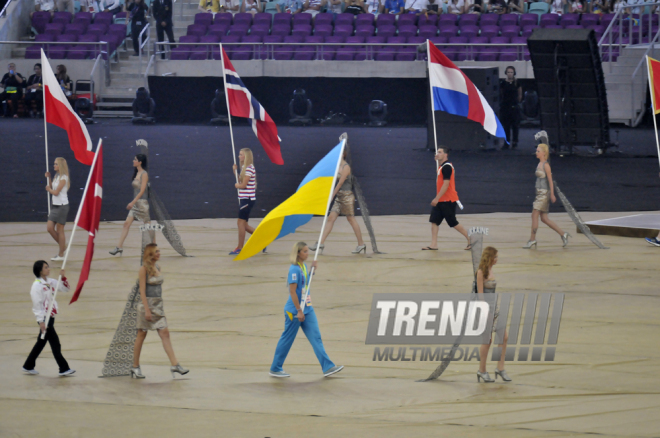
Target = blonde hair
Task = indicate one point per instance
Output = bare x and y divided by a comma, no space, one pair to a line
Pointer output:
295,251
249,160
546,150
63,170
147,257
487,260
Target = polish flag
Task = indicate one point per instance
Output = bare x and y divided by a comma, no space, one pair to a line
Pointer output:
58,111
89,216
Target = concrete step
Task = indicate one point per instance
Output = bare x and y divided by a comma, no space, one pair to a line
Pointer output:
113,113
114,104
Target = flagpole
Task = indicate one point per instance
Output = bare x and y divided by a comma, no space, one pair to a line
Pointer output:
231,131
43,89
325,219
655,124
73,233
428,68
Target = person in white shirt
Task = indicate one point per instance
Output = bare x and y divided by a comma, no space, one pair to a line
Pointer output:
375,6
42,294
313,6
334,6
455,7
59,208
43,6
415,6
556,6
251,6
112,6
230,6
91,6
65,5
433,7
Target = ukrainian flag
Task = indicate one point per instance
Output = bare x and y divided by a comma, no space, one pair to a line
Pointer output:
311,198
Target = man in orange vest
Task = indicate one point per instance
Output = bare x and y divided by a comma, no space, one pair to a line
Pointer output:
444,204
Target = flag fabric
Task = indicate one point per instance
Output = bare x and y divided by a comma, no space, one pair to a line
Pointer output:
90,216
454,93
654,80
59,112
310,199
243,104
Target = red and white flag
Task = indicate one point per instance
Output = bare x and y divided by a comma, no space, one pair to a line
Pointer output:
59,112
90,216
243,104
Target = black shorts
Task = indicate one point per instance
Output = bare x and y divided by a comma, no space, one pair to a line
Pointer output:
244,209
444,211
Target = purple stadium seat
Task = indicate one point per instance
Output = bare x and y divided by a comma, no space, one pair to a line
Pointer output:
263,18
473,51
386,30
98,29
569,19
588,20
203,18
549,20
510,31
407,19
34,51
323,18
448,32
260,29
218,30
308,53
119,31
329,52
198,30
282,29
365,31
344,30
323,30
489,31
528,30
103,18
121,16
223,18
243,18
282,18
512,19
527,19
468,20
385,19
238,29
268,48
181,53
487,55
490,20
58,51
438,40
348,53
424,20
447,18
389,50
74,29
62,17
84,51
457,53
573,26
409,53
375,44
365,19
201,52
244,53
469,31
83,16
345,19
298,19
302,29
492,52
39,23
54,29
553,26
513,53
285,53
230,48
407,30
428,31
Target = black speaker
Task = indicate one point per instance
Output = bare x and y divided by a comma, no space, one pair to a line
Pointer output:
571,87
459,133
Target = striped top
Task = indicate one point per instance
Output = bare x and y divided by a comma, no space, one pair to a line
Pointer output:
251,190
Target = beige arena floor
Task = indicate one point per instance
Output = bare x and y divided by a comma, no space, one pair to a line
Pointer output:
225,318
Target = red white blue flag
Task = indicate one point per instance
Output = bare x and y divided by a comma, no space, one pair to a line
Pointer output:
243,104
454,93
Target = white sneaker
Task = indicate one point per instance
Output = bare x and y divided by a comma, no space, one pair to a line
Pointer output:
57,258
333,370
32,372
68,372
279,374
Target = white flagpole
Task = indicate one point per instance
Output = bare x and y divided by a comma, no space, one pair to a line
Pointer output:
428,66
655,124
43,88
68,247
231,131
325,219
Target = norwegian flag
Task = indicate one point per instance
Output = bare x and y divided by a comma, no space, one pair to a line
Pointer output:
243,104
90,216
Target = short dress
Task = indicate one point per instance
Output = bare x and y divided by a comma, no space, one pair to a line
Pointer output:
542,199
489,288
344,204
154,294
140,210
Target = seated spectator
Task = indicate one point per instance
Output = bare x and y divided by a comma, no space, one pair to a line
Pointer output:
13,84
455,7
476,7
65,5
232,6
290,6
43,6
415,6
354,7
334,6
144,107
636,9
617,6
375,6
210,6
556,6
91,6
396,7
515,6
65,82
578,7
313,6
600,7
34,96
497,6
251,6
112,6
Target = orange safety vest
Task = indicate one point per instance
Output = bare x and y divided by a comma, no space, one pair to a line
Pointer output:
450,195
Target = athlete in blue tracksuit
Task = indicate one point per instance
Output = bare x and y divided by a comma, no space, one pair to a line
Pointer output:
294,319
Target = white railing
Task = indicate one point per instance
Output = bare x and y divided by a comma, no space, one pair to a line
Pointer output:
145,43
146,72
91,79
3,13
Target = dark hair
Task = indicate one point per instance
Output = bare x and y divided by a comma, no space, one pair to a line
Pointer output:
512,68
37,64
445,149
38,267
143,160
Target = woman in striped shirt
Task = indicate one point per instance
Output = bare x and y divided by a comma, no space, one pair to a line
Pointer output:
247,189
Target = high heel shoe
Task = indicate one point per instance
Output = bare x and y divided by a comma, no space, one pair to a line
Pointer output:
316,245
360,248
529,244
117,250
503,375
485,376
136,372
178,369
564,238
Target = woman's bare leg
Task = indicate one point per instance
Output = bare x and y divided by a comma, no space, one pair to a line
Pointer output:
167,345
535,224
546,220
50,227
124,231
61,239
137,348
483,356
242,228
332,217
356,229
500,364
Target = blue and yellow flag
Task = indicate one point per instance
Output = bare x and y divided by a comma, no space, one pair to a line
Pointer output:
311,198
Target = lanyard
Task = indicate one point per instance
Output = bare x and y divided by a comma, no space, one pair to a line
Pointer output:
304,271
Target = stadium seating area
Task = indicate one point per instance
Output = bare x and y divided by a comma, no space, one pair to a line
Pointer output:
346,37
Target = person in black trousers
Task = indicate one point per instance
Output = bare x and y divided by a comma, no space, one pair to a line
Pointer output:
139,12
162,10
511,95
42,294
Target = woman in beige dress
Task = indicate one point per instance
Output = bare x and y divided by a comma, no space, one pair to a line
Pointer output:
545,192
344,204
150,311
138,208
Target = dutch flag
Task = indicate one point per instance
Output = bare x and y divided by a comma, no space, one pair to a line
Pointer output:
454,93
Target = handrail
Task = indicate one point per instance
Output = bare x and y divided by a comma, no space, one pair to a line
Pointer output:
635,119
91,78
146,72
4,10
141,44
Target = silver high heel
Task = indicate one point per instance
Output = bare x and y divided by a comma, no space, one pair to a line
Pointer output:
316,245
136,373
485,376
117,250
502,374
178,369
360,248
529,244
564,238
